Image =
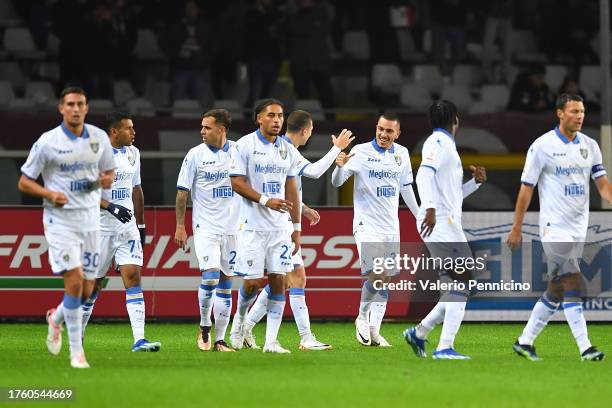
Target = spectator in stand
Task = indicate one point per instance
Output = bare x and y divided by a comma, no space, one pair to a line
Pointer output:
262,48
530,92
448,21
498,26
571,86
189,46
309,48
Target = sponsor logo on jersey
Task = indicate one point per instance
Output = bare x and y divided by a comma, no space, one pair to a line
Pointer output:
569,170
223,192
383,174
120,194
385,191
215,176
371,159
273,187
77,166
575,190
80,185
60,151
270,169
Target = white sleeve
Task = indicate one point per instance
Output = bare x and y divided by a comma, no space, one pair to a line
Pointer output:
533,165
136,181
432,155
187,173
37,159
316,169
107,158
598,169
469,187
410,199
238,159
341,174
425,184
296,161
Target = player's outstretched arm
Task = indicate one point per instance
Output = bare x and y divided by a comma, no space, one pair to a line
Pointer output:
180,235
340,174
30,187
242,187
318,168
522,203
604,187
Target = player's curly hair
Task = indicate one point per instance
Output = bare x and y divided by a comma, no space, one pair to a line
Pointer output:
263,104
442,114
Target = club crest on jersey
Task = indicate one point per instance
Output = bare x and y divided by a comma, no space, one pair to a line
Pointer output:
95,146
250,262
205,259
398,160
66,258
584,153
282,150
131,158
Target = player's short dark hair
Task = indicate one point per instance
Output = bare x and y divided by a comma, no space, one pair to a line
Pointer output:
442,114
564,98
392,116
298,120
71,90
222,117
263,104
113,119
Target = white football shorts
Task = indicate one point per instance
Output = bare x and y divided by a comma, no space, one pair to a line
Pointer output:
124,248
372,246
263,250
215,251
72,249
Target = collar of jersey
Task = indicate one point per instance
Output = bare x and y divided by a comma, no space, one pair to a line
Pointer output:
71,135
446,132
214,149
122,150
380,149
265,141
565,139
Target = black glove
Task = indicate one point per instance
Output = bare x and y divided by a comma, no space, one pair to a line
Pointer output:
143,235
119,212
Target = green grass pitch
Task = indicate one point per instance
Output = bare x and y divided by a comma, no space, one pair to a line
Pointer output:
350,375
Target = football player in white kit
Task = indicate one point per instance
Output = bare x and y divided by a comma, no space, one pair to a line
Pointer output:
299,130
441,188
561,162
382,172
123,235
264,173
75,159
205,173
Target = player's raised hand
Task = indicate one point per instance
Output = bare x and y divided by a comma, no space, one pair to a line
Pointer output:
479,173
514,238
58,198
180,236
280,205
343,140
429,222
343,158
311,215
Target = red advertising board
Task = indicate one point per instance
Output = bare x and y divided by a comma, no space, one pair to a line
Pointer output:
170,274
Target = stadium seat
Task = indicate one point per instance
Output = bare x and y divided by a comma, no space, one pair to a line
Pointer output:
281,91
234,107
100,106
356,45
11,72
496,95
351,90
8,14
53,45
141,107
6,93
122,92
407,48
429,76
525,47
21,104
468,75
19,42
186,109
40,92
49,71
415,97
590,81
387,78
554,76
158,92
313,106
459,95
147,47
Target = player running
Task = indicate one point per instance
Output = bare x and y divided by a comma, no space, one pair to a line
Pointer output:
215,222
299,130
264,173
441,188
561,162
75,159
123,235
382,172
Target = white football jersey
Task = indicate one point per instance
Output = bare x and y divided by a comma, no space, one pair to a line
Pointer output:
379,176
266,166
562,170
440,154
205,172
70,164
127,176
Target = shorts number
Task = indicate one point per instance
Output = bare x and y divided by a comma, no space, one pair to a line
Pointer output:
284,254
88,259
232,260
133,243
